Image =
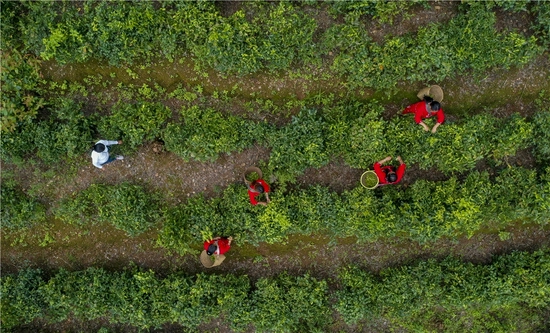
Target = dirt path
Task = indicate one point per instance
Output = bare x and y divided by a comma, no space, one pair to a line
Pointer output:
110,249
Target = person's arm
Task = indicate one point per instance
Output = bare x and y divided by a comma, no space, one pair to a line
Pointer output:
267,197
434,129
110,142
440,116
400,160
386,159
426,128
400,172
252,197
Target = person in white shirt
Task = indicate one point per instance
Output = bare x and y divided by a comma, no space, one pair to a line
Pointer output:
100,153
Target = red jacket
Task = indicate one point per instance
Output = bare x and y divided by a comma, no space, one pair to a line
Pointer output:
379,170
253,194
420,110
223,245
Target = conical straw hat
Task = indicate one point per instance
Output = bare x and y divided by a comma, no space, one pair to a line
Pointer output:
207,262
436,93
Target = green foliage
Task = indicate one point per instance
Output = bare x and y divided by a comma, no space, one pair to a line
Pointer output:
424,212
467,42
66,40
206,133
541,137
383,11
458,294
135,123
299,145
506,294
20,99
122,32
65,134
290,304
127,207
20,302
278,36
541,25
18,210
274,36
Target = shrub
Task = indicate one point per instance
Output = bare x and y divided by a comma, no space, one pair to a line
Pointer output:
467,42
206,133
290,304
20,301
464,295
21,90
19,210
65,134
135,123
448,295
298,146
127,207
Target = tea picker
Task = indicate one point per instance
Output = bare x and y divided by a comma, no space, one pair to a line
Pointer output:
430,105
215,249
100,153
256,186
383,175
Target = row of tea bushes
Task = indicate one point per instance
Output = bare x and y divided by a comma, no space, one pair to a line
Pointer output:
510,294
269,36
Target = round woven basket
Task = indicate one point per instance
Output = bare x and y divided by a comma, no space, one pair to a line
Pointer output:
369,179
250,170
207,261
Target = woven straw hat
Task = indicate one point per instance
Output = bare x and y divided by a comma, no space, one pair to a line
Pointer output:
207,261
434,92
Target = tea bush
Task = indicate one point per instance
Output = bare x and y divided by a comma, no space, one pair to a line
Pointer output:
541,135
127,207
425,211
290,304
453,292
21,301
466,42
383,11
135,123
206,133
273,36
20,98
299,145
451,295
65,134
18,210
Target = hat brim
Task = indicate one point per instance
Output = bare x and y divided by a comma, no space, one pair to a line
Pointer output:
436,92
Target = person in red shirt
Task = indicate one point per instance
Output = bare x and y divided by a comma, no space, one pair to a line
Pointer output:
256,188
218,245
425,109
388,174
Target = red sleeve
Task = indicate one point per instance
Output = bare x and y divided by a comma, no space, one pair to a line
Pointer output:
252,196
381,174
207,243
440,116
400,172
223,245
419,111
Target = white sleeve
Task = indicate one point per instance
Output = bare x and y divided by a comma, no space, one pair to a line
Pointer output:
108,142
